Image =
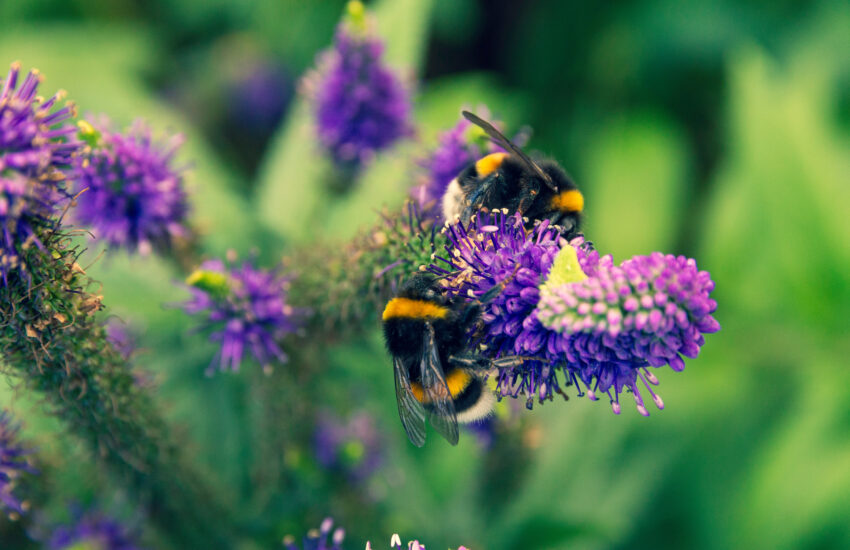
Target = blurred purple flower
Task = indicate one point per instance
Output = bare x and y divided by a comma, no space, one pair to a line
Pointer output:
361,106
92,529
134,197
36,147
603,331
247,308
258,95
13,462
317,539
353,447
120,338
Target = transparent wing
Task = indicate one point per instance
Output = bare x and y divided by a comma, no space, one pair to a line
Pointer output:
438,399
409,409
506,144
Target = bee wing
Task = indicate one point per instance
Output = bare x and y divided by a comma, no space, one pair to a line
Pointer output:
409,409
440,407
506,144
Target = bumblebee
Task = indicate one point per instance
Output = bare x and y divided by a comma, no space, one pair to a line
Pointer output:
514,181
426,333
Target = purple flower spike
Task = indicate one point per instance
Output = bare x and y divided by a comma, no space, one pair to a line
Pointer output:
247,309
134,198
92,529
647,312
361,107
37,144
317,539
13,463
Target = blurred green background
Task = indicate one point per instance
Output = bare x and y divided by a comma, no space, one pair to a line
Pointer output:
715,129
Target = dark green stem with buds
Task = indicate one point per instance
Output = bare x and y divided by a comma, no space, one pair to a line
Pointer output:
54,341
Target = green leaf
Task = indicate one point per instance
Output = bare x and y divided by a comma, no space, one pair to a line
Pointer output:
777,229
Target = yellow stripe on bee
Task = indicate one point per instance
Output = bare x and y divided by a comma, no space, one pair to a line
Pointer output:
413,309
568,201
457,381
489,163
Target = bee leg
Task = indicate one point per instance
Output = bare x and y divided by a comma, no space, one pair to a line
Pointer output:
529,189
483,363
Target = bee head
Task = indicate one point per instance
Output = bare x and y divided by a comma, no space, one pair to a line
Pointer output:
422,286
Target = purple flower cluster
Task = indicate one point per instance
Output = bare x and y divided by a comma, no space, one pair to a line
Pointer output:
317,539
247,308
564,308
134,198
13,462
495,249
648,311
92,529
361,106
37,144
354,447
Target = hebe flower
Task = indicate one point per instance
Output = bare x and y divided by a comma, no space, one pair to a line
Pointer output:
134,197
603,330
13,462
496,248
361,107
352,446
247,309
93,529
648,311
36,147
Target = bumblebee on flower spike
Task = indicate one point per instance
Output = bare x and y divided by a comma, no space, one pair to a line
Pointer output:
427,334
514,181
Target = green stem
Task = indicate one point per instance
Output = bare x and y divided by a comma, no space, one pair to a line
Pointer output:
52,339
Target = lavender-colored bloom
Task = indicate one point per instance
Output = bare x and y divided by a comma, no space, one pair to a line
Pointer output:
13,462
247,308
353,447
36,147
134,197
361,106
497,248
317,539
648,311
456,149
655,308
92,529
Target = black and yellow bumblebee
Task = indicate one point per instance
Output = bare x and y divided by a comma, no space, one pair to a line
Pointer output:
514,181
427,333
